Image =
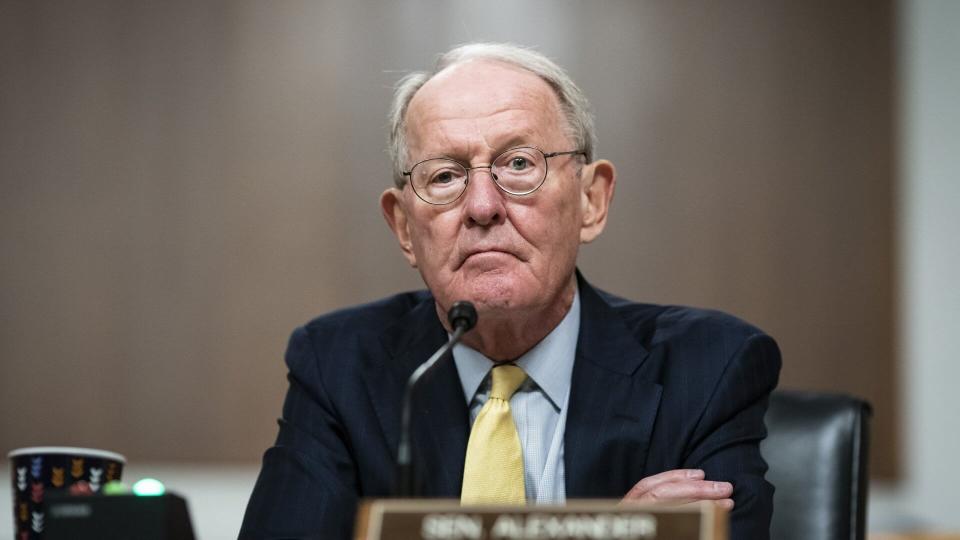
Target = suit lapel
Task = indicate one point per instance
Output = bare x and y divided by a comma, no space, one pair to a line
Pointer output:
440,417
611,409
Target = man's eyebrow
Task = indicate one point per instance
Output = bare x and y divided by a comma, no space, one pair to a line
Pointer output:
513,142
461,154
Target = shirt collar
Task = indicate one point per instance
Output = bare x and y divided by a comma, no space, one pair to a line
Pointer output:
549,363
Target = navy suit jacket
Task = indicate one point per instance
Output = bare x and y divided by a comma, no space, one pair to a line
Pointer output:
653,388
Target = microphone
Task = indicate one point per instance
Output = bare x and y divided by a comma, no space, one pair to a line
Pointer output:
462,317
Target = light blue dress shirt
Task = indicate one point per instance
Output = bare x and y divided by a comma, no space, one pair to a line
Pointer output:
539,406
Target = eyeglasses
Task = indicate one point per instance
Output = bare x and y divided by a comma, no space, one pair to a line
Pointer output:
518,171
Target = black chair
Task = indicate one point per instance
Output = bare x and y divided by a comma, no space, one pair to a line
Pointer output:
817,451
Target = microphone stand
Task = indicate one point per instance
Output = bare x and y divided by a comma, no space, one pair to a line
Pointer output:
462,317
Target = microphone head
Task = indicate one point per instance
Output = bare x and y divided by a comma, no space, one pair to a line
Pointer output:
462,315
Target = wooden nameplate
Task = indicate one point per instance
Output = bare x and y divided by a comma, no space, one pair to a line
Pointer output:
446,519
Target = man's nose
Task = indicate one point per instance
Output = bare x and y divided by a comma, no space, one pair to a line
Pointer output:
483,200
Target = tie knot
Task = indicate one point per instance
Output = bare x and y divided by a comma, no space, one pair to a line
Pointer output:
506,379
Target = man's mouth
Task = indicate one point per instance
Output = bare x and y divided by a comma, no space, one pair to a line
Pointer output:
486,253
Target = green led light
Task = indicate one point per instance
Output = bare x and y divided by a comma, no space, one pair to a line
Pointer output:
115,487
148,487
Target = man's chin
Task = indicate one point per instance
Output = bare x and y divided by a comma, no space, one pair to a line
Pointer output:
494,293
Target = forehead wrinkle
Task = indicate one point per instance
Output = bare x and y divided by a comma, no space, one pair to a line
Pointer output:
492,135
466,105
464,94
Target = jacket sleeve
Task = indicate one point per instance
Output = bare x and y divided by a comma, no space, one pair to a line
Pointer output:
307,486
726,441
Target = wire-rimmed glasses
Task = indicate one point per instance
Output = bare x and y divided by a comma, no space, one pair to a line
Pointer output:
517,171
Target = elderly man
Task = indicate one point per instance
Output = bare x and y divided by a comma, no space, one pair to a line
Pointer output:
561,391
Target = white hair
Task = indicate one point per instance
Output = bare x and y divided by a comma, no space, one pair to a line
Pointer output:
573,102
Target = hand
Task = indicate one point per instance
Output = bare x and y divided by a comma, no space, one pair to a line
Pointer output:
680,486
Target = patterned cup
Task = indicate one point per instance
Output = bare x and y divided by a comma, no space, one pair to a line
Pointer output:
44,468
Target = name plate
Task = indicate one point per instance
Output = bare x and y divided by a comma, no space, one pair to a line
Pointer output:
436,519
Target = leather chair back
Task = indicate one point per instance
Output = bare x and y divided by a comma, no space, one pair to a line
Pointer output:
817,451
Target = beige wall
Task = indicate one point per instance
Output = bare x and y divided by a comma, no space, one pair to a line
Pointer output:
182,183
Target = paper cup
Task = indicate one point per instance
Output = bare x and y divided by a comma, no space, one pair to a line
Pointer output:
40,469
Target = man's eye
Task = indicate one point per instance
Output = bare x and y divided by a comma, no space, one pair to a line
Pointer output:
519,163
442,177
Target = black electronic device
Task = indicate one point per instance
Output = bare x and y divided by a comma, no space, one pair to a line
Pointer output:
116,517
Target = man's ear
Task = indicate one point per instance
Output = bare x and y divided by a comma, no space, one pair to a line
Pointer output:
391,204
597,183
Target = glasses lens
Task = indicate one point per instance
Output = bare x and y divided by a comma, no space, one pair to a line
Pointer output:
439,181
520,170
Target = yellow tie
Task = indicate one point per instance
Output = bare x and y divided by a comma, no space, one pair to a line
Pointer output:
493,470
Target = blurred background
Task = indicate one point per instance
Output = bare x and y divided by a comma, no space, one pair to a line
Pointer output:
182,183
